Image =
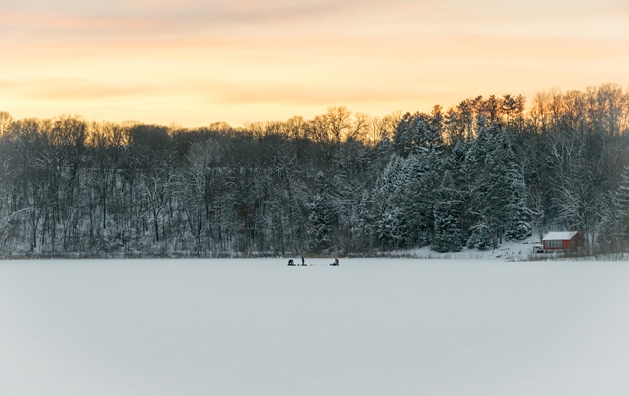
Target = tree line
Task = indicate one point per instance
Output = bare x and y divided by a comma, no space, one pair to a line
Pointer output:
485,171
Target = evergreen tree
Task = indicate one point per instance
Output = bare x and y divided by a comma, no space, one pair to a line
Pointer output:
423,176
386,200
481,237
519,226
497,193
322,217
321,222
419,132
447,236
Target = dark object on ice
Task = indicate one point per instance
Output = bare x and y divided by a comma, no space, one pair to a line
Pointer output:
335,263
303,261
291,262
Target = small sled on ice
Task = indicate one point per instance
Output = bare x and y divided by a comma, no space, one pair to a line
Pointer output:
335,263
291,263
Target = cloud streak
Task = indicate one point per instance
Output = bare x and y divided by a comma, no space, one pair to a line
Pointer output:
77,90
213,17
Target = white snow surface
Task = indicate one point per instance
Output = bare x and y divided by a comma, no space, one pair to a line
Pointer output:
508,250
259,327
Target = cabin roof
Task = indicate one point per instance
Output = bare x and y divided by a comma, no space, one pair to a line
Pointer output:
561,236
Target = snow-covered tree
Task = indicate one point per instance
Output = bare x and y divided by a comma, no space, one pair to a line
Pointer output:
322,217
386,202
447,236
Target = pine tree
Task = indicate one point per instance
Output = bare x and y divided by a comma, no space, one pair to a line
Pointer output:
419,132
519,227
497,201
424,173
447,235
322,217
385,199
321,221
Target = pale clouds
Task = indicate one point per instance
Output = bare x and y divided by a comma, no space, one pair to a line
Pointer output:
187,61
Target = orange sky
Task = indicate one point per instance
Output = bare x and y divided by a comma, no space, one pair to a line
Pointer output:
196,62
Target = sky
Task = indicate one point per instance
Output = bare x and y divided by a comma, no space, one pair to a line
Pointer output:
193,62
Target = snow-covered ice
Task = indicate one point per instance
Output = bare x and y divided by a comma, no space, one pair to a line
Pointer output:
259,327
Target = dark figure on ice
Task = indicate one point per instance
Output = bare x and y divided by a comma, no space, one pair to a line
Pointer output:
291,262
303,262
336,262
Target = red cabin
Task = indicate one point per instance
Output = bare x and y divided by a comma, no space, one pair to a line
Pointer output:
563,241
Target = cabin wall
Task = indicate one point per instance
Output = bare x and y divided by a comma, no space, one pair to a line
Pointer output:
563,244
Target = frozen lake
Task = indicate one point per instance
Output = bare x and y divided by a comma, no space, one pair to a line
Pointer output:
368,327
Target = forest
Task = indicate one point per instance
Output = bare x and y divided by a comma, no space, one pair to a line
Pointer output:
485,171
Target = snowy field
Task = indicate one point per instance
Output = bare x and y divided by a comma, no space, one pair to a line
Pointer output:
368,327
